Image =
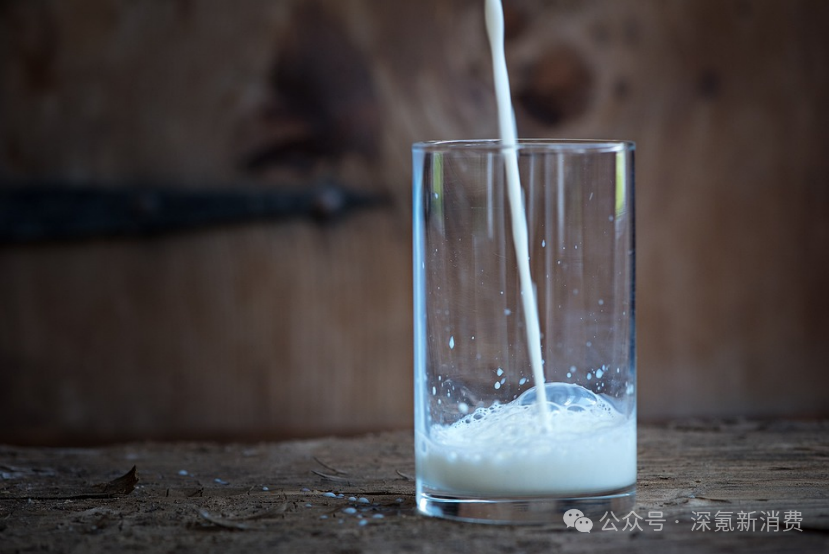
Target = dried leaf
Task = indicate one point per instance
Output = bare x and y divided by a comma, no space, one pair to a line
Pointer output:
122,486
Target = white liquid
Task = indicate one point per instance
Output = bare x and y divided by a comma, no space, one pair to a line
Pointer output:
588,447
556,438
507,126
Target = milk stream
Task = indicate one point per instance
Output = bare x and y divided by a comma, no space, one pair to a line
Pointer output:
556,438
494,18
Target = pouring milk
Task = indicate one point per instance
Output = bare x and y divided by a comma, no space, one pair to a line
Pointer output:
557,438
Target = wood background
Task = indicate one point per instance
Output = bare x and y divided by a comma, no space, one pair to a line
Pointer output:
297,329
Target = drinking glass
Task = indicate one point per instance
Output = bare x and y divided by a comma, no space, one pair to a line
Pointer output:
491,445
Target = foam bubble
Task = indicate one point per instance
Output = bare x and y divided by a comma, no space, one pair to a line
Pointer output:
572,409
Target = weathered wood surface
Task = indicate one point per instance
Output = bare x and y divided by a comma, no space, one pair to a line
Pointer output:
285,497
133,339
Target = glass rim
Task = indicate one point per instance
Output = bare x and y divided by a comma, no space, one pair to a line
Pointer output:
526,144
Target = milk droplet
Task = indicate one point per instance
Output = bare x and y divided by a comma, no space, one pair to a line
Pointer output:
499,372
522,381
463,407
507,312
497,385
452,343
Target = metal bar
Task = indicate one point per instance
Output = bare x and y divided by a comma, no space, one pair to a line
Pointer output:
37,212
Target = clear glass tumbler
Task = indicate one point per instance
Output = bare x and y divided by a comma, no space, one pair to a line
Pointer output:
490,444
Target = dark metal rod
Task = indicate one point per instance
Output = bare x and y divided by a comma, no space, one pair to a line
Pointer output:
35,212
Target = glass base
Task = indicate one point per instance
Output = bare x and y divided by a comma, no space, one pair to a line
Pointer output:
523,510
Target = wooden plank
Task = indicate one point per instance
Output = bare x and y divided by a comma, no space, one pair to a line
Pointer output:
289,330
357,495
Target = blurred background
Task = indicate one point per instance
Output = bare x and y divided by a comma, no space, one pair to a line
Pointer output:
205,209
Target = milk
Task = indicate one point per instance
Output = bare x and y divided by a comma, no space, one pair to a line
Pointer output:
507,127
587,447
556,438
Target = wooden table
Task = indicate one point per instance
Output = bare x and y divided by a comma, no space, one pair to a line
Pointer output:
708,481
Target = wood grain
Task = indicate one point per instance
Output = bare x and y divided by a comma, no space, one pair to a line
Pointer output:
355,495
275,330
